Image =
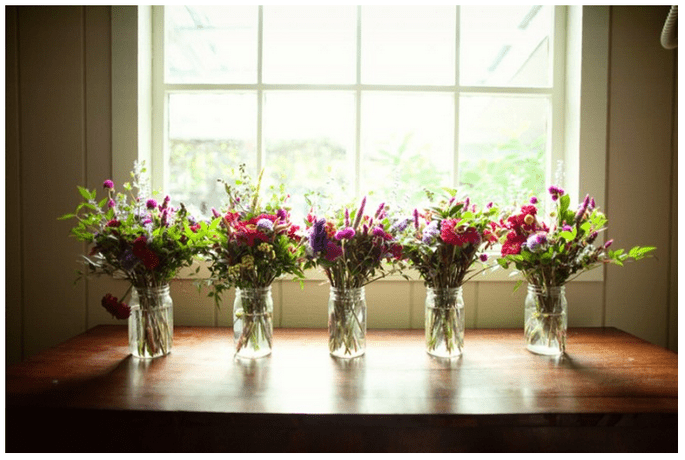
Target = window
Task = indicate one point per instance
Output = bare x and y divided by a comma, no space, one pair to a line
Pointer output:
359,99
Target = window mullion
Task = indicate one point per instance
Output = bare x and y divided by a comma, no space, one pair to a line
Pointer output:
260,90
358,106
455,161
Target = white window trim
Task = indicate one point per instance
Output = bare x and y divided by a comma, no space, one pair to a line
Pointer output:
581,143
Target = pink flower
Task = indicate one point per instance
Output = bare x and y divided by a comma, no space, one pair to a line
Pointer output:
151,203
108,184
451,235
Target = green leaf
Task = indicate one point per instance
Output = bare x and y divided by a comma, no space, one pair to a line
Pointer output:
66,216
84,192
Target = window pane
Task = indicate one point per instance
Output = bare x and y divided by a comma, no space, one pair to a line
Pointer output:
210,44
503,147
312,44
407,143
505,45
408,45
309,141
209,134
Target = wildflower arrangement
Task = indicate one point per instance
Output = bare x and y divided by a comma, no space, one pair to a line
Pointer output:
443,243
549,254
253,245
353,249
133,236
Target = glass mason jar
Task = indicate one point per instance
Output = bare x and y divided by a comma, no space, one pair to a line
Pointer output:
444,322
347,322
253,322
545,319
151,324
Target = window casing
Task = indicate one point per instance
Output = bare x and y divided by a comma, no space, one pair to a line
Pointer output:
579,137
309,127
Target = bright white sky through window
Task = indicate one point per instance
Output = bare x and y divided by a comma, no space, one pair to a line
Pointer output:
395,118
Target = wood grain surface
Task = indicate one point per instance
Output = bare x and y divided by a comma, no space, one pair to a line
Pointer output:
611,390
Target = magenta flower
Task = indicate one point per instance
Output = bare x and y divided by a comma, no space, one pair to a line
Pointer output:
108,184
416,218
556,192
608,243
111,203
345,234
151,204
533,200
483,257
378,231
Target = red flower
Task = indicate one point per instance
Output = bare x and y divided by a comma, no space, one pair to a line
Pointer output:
333,251
141,251
450,234
117,309
195,228
513,244
396,251
113,223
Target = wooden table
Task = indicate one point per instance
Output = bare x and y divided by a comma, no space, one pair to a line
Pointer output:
611,392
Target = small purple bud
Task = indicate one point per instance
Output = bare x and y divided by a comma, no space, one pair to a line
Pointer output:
608,243
111,203
151,204
347,217
108,184
379,211
533,200
416,218
483,257
490,204
215,213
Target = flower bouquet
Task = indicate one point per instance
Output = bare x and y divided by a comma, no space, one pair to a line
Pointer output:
144,242
353,249
252,246
443,244
549,254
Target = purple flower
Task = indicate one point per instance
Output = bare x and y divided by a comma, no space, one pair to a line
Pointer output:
111,203
345,234
400,225
608,243
380,211
215,213
483,257
317,236
151,204
108,184
347,217
467,201
165,217
416,218
555,191
592,237
282,214
533,200
265,225
490,204
127,260
430,233
166,202
535,241
360,213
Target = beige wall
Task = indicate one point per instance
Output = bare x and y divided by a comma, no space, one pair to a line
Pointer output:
58,135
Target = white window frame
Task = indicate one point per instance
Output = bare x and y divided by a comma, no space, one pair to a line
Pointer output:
580,76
